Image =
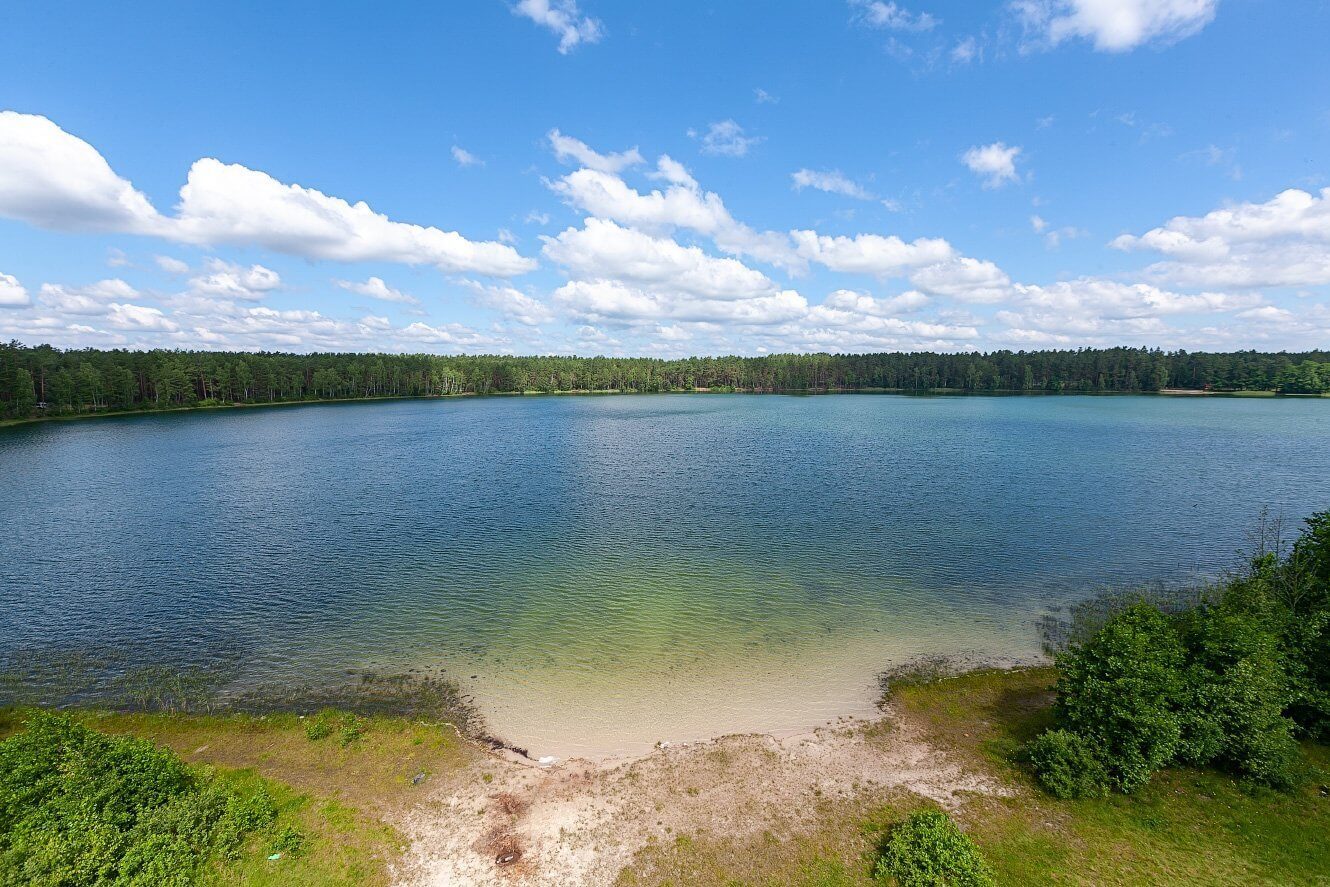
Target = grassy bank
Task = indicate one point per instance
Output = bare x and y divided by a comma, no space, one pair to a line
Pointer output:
1185,828
338,793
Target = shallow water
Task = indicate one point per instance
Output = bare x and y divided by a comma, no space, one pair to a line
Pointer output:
606,572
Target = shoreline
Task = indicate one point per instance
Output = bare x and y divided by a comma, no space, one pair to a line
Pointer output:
587,392
410,803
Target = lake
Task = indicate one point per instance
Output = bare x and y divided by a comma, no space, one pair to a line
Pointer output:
602,573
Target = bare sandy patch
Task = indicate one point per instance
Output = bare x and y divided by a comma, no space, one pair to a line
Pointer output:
579,823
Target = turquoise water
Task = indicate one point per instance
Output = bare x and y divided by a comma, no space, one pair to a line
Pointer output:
605,572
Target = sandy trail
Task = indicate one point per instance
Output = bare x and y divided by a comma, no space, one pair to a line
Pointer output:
578,823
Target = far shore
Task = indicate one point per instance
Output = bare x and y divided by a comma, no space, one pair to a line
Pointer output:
583,392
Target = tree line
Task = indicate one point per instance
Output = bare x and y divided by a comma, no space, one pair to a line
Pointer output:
42,380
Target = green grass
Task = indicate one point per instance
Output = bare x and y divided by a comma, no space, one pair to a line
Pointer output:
335,794
1184,828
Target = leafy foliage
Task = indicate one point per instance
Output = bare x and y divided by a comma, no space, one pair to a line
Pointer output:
66,382
1067,765
80,807
1118,691
1229,683
928,850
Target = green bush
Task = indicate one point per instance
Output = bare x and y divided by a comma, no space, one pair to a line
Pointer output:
1066,765
1119,689
928,850
80,807
318,727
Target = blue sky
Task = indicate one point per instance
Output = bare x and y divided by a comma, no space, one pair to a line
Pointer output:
625,178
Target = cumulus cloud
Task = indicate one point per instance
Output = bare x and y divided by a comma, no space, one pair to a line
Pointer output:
964,279
1113,25
870,253
879,14
226,280
569,148
511,303
375,288
611,301
683,204
604,250
1284,241
90,300
725,138
229,203
12,293
1099,311
56,180
171,265
564,19
996,163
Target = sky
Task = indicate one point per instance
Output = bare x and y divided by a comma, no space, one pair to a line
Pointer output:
628,178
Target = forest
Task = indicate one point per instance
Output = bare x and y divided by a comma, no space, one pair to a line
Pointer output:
41,380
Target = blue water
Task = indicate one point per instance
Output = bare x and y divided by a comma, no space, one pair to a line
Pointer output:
601,571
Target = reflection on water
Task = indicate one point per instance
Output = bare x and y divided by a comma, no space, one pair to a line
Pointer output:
602,573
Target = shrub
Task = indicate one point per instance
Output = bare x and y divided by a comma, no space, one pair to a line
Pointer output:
289,840
351,730
928,850
80,807
1066,765
318,727
1118,691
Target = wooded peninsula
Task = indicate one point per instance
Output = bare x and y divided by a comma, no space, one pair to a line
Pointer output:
41,380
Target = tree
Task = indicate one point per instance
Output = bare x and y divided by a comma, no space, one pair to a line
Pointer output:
25,396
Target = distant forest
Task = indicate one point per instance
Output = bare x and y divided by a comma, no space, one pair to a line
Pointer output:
41,380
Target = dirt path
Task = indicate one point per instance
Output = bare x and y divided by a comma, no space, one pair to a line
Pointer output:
578,823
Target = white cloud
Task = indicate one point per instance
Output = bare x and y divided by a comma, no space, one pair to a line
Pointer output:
55,180
831,181
1114,25
681,205
223,203
862,303
964,279
138,317
564,19
512,303
1038,224
1282,242
569,148
609,301
725,138
870,253
605,250
879,14
171,265
375,288
1096,311
995,162
762,97
91,300
965,51
465,158
229,281
670,170
537,218
12,293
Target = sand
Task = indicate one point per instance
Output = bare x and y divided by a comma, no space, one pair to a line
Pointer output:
580,822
